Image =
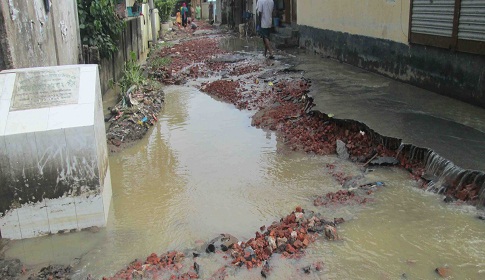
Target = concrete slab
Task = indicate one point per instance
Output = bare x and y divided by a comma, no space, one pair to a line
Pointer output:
61,214
90,210
33,219
10,224
7,89
19,122
453,129
2,83
4,109
70,116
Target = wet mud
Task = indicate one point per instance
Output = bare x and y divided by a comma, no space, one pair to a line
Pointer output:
14,270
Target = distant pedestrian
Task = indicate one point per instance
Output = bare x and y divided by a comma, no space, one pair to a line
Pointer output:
197,12
211,12
184,13
265,14
178,20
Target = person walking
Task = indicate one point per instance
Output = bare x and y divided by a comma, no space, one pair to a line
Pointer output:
197,12
265,14
184,13
178,20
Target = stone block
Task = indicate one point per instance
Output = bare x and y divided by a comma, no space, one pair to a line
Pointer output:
62,214
33,219
54,166
90,210
10,224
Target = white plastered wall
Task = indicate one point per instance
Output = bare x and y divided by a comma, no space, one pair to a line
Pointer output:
383,19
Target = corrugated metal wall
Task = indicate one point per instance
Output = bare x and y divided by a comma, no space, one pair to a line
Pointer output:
433,17
472,20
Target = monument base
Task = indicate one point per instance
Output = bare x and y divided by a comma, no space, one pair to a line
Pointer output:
54,171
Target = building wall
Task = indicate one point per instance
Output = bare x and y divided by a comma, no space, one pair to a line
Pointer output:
384,19
33,36
373,34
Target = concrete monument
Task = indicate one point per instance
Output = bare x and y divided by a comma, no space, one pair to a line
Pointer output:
54,171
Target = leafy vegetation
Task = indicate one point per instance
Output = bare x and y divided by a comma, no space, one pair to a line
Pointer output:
132,76
159,46
155,60
160,62
165,8
99,25
132,73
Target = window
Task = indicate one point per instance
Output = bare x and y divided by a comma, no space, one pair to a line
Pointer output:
453,24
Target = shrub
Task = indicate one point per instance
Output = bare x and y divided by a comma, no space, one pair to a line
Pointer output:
99,25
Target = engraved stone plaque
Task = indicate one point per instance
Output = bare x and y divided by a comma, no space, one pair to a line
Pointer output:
46,88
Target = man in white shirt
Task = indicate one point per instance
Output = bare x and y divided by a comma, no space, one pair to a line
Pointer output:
265,16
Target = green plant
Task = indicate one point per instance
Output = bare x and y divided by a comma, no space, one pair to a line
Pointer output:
99,25
132,76
165,8
160,62
158,46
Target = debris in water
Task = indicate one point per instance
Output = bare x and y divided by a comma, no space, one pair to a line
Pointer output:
331,232
154,266
342,150
266,270
11,269
292,234
53,272
443,271
341,197
223,242
448,199
307,269
384,161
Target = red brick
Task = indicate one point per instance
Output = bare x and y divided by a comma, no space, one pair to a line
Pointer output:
290,249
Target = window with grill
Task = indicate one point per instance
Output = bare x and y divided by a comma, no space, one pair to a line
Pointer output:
453,24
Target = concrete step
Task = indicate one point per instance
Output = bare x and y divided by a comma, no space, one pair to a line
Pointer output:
283,30
287,30
280,40
287,36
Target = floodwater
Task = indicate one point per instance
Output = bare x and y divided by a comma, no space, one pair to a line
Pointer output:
203,170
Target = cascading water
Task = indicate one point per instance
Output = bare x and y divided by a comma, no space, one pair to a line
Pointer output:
444,177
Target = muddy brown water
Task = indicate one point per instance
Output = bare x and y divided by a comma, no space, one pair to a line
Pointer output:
204,170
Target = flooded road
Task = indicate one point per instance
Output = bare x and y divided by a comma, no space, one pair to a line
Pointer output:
204,170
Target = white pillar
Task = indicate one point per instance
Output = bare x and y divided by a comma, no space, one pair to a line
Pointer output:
154,24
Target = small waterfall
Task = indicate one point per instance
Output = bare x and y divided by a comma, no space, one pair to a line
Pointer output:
444,177
481,194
